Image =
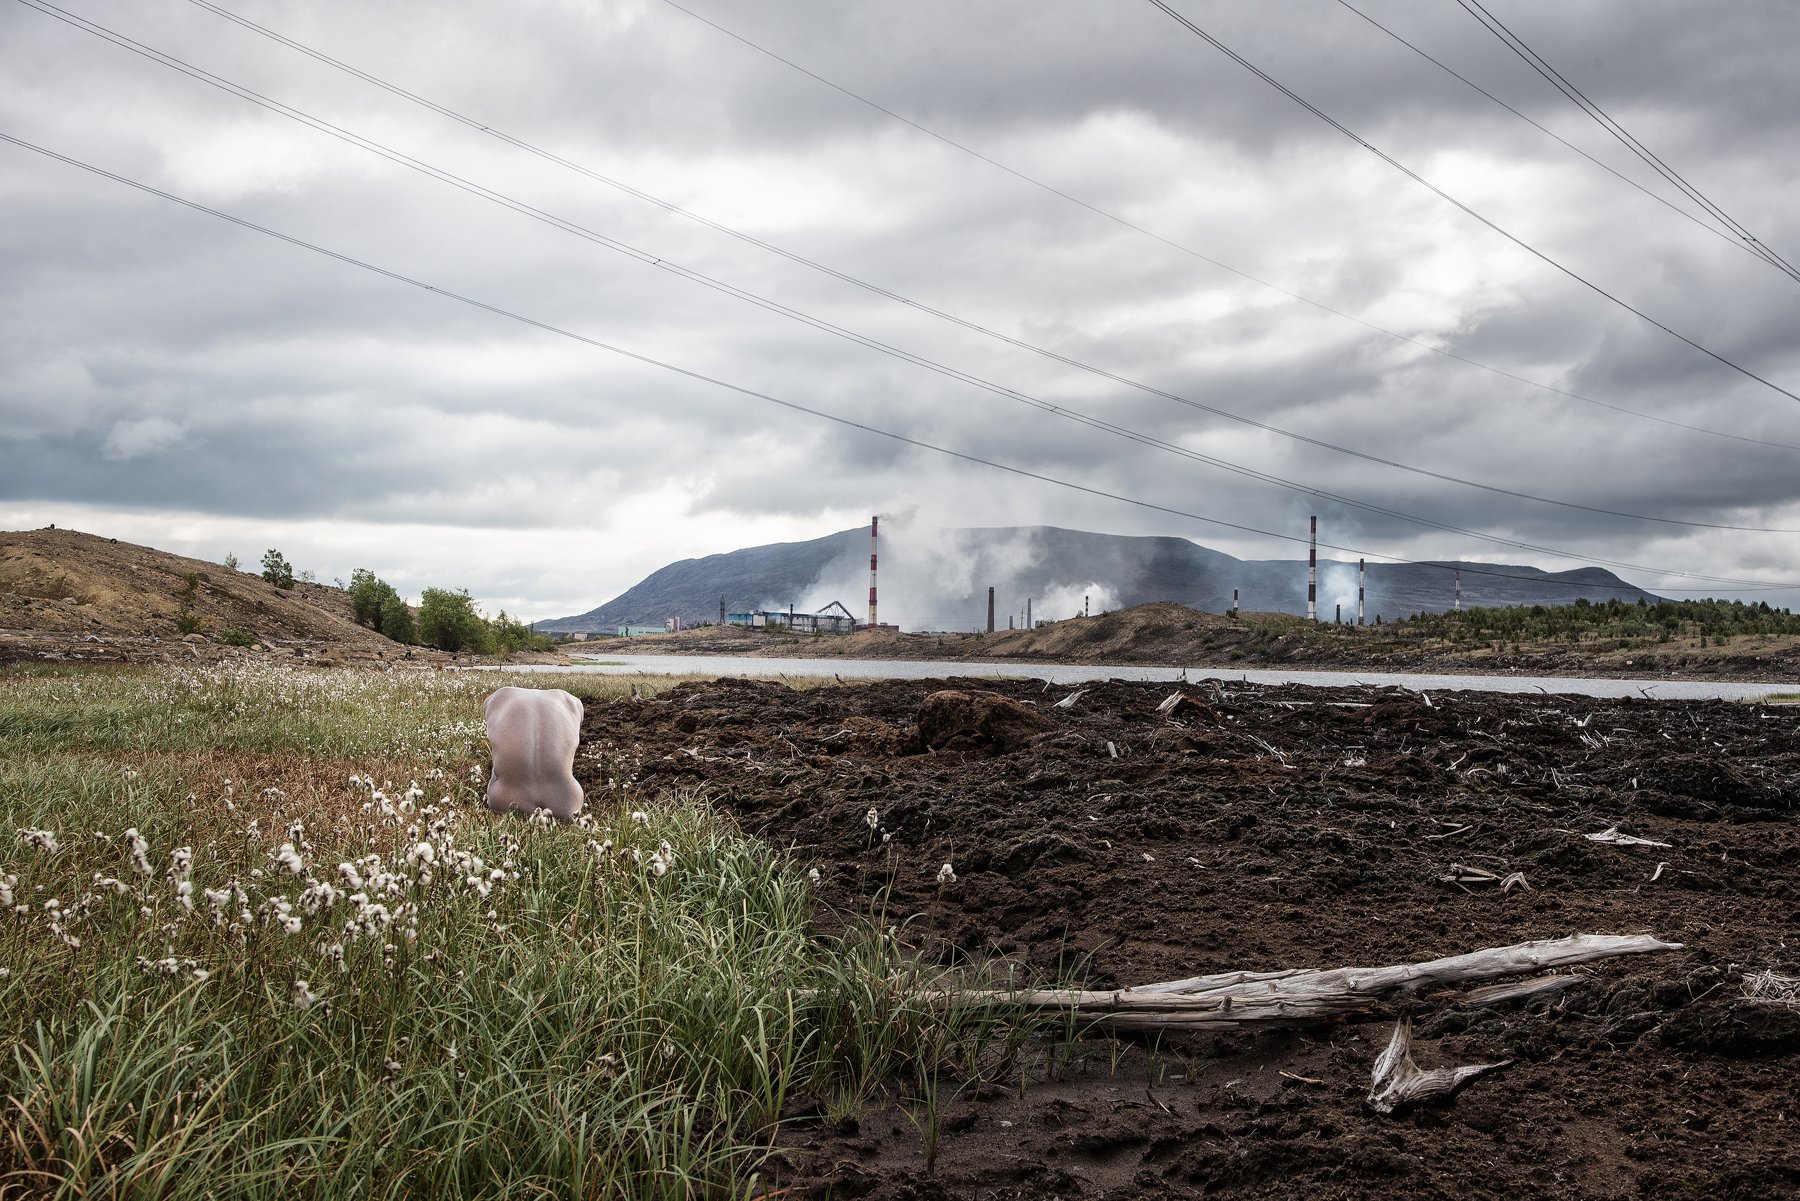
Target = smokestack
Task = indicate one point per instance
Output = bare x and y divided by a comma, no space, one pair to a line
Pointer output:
1234,603
1361,569
1084,604
1459,590
1312,573
874,529
721,610
1028,613
990,611
1339,619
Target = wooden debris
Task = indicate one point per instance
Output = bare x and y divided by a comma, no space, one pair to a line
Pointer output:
1515,990
1611,834
1398,1082
1068,702
1302,996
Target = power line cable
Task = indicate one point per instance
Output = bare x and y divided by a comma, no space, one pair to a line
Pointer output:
1320,113
795,406
821,324
801,260
1134,227
1532,58
1727,237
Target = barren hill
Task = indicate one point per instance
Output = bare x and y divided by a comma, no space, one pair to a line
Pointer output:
938,580
64,582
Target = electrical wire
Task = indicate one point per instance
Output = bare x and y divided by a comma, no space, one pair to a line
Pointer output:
1517,45
801,260
1170,242
823,325
1320,113
795,406
1727,237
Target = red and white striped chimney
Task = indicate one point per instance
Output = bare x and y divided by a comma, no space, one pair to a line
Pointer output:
874,530
1361,570
1312,573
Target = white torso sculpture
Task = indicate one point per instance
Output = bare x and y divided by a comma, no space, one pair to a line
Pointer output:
533,733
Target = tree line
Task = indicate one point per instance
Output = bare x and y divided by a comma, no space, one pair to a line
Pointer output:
446,619
1612,618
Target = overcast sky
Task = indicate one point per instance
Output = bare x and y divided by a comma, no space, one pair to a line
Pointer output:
173,379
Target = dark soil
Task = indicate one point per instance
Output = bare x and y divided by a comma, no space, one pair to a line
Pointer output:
1270,827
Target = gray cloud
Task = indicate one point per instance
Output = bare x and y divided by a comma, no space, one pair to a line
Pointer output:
168,373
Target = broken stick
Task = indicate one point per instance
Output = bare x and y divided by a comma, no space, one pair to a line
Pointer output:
1398,1081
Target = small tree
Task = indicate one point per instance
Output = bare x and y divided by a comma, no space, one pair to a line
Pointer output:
448,621
276,569
375,604
510,634
366,596
397,619
230,561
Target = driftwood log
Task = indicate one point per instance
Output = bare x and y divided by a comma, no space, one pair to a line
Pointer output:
1299,996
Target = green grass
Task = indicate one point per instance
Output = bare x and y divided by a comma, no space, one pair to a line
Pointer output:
259,937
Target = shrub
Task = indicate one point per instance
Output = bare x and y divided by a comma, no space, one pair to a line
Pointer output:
187,622
448,621
237,636
397,620
375,604
276,569
510,634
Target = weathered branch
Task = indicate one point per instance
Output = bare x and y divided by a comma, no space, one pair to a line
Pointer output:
1398,1081
1297,996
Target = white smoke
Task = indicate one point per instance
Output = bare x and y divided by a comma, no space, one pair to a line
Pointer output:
937,579
1337,586
1067,600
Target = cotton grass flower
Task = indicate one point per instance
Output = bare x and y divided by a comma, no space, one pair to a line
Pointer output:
289,858
140,852
872,818
43,840
302,995
946,875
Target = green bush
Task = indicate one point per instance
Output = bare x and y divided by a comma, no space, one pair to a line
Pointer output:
276,569
448,621
510,634
236,636
397,620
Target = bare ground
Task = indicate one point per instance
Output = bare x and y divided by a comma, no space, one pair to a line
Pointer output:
1263,828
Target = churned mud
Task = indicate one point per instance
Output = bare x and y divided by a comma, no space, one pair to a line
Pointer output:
1112,842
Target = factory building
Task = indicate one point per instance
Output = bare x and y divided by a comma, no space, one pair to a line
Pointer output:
823,622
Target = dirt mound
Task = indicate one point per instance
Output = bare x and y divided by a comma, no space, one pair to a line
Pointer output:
1261,828
110,599
958,720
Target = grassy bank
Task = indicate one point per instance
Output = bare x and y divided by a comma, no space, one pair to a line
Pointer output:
259,937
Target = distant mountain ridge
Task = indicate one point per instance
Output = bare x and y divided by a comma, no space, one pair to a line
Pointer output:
938,579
